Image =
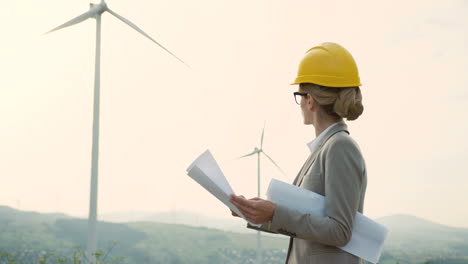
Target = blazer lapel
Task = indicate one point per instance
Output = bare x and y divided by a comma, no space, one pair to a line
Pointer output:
304,168
341,126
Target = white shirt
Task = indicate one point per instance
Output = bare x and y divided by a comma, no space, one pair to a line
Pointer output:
313,145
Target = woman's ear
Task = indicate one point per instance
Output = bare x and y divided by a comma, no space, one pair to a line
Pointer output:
310,102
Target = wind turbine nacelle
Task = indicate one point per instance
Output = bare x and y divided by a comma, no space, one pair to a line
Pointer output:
98,8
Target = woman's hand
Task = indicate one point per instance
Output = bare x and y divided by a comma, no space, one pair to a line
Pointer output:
255,210
234,213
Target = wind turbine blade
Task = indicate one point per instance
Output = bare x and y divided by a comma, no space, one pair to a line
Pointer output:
263,132
250,154
274,163
90,13
135,27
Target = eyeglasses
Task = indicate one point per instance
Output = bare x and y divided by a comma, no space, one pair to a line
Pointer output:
296,95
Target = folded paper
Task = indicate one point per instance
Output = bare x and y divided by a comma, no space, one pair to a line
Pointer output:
206,172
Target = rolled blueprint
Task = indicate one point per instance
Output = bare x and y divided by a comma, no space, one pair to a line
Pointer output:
368,236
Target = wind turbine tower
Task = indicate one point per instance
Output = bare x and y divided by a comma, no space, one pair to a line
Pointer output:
95,11
259,151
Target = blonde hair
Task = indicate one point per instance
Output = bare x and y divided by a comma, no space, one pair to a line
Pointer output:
338,102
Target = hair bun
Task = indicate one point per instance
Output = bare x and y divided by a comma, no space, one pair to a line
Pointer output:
348,104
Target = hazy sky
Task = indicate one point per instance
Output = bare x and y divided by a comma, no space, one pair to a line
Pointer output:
157,115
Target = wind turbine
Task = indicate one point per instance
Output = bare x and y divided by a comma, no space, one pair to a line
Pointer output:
95,11
259,151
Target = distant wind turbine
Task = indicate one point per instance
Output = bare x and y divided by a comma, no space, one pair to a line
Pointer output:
258,151
95,11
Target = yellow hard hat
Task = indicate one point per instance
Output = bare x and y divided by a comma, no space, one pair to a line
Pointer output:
328,64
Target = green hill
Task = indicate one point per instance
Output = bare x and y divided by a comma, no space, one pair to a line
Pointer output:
140,242
411,240
415,240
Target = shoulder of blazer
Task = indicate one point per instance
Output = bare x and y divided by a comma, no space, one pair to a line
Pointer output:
343,144
343,140
341,126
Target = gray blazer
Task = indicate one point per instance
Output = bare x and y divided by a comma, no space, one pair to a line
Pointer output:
336,169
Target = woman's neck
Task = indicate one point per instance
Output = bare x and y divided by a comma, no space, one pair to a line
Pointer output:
321,126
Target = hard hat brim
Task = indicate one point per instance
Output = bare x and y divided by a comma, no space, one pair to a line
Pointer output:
328,81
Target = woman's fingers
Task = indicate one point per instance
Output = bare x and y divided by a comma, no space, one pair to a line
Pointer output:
240,200
247,207
255,210
248,215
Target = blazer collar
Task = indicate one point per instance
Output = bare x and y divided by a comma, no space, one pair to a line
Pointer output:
340,126
337,127
314,144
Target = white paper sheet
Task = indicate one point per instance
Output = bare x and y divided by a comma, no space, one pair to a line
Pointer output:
206,172
368,236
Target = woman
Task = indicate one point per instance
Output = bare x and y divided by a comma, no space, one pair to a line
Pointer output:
328,92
